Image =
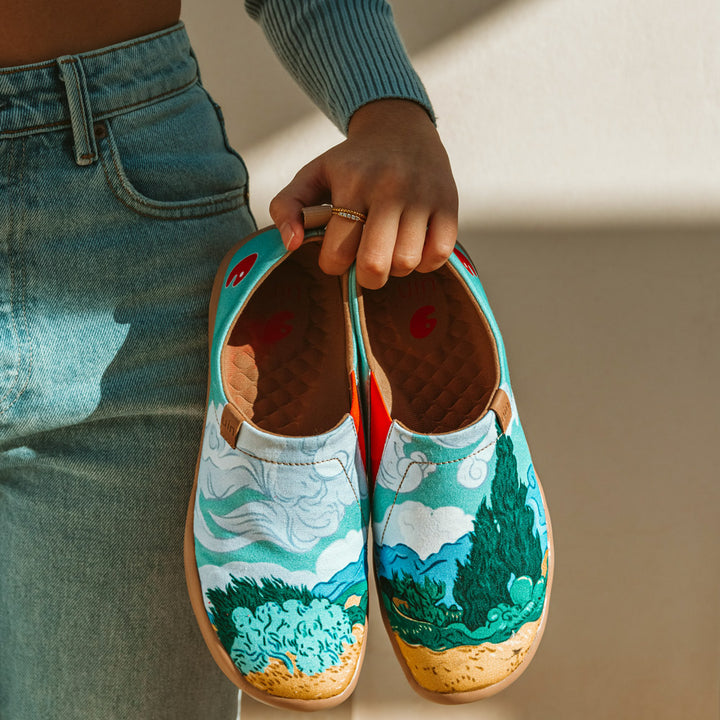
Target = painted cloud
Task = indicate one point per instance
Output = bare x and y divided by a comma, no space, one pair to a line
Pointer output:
422,528
286,508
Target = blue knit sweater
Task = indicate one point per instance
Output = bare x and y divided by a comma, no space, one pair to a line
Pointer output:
343,53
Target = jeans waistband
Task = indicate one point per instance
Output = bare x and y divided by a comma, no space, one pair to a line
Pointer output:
77,90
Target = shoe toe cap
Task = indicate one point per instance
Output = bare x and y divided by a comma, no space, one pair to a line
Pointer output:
469,672
310,666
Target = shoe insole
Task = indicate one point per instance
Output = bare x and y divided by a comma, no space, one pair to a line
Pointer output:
284,365
435,347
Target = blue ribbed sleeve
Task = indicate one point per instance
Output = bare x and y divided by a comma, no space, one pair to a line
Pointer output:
343,53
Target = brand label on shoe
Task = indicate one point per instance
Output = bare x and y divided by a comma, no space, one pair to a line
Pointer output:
270,330
240,271
466,262
230,423
500,405
422,323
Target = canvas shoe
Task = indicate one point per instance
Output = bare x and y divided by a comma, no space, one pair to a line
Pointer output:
275,542
462,543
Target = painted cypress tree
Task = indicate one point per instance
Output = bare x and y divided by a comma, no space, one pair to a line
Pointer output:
503,541
479,583
520,548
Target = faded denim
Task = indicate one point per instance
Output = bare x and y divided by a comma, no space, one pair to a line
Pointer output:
119,195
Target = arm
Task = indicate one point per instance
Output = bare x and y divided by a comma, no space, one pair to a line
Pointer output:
392,166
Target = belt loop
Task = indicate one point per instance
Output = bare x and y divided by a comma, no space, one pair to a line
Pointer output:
71,72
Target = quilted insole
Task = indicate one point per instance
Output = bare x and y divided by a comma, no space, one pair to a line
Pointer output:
284,365
435,348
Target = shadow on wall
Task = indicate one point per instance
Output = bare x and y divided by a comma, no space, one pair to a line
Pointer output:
613,349
257,92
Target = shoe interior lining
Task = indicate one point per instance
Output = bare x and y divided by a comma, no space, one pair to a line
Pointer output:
285,363
435,349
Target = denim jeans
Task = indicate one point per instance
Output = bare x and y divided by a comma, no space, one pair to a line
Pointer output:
119,195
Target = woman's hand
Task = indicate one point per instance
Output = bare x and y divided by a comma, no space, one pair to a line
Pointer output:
393,168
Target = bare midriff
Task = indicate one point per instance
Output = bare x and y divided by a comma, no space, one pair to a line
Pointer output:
35,30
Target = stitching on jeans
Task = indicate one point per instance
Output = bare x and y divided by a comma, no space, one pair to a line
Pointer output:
149,100
158,204
23,270
83,108
65,123
108,113
24,69
23,301
159,216
415,462
43,66
11,156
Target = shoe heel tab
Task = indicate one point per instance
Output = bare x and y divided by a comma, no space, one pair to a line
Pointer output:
500,405
230,423
316,216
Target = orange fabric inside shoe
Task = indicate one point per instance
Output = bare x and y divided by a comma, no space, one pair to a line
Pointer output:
432,351
284,365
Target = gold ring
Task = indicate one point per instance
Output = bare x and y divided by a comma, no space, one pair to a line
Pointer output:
349,214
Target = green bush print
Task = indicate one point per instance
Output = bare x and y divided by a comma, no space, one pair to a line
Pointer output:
420,601
257,621
502,621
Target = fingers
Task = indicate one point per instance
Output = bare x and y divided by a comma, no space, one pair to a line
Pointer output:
410,241
308,187
340,245
377,247
393,241
439,241
393,168
286,212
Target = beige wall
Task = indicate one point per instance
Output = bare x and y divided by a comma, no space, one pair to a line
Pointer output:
550,109
585,138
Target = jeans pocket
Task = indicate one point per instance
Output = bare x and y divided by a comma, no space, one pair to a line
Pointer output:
171,159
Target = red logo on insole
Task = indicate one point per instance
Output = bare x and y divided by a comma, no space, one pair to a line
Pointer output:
275,328
466,263
421,324
240,271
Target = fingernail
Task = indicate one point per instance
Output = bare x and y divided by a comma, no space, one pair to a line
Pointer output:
287,235
296,242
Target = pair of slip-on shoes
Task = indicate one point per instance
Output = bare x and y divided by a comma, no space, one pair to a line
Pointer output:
304,368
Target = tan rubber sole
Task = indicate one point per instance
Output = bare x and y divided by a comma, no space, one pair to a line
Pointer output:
212,641
458,698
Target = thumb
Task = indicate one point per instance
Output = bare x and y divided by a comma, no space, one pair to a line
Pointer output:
308,187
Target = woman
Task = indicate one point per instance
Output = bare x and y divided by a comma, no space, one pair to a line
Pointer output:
118,197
